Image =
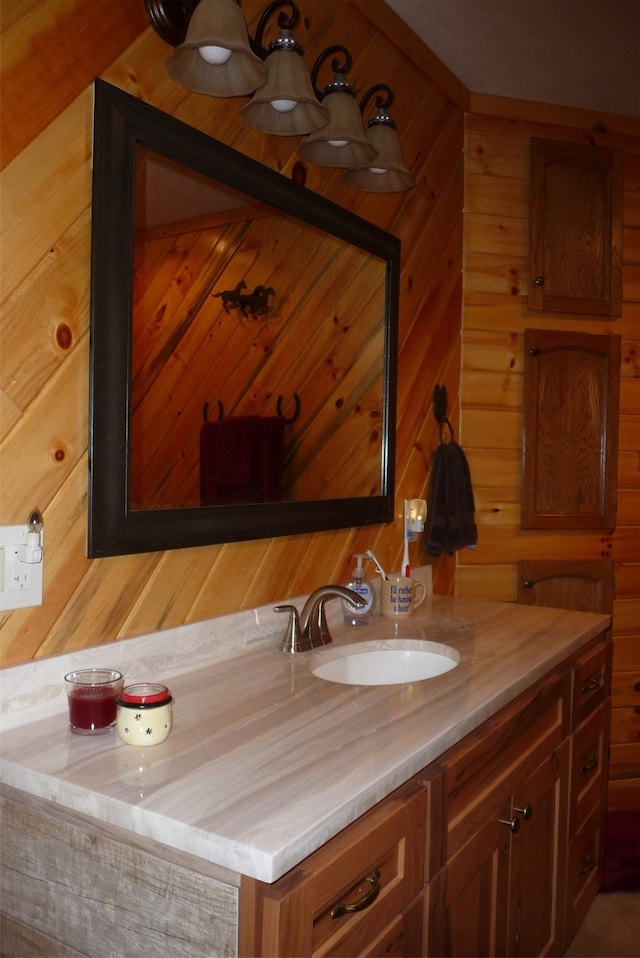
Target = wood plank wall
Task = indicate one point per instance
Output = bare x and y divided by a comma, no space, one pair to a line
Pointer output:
46,210
495,313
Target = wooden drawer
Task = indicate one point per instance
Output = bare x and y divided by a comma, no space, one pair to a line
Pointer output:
591,679
589,749
584,870
379,859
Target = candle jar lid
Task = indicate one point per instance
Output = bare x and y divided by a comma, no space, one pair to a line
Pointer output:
144,695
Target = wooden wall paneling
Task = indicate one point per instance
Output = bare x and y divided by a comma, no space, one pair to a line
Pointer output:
503,235
627,613
631,282
35,89
496,582
496,196
627,580
523,118
22,637
39,214
51,437
496,180
508,544
627,504
45,316
501,275
626,651
45,190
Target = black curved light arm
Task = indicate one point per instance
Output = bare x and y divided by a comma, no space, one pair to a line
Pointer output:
382,103
170,18
340,66
285,22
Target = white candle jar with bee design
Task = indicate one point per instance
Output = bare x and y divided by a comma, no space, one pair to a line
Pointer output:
144,714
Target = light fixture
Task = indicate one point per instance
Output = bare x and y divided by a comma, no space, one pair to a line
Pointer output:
387,173
286,105
342,142
215,56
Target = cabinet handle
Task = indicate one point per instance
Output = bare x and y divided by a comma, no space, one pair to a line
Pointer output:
591,684
539,281
588,764
512,823
526,811
589,864
347,908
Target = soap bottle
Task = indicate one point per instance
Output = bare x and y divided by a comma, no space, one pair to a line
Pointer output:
359,585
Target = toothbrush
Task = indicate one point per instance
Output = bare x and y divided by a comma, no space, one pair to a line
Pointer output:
406,567
369,554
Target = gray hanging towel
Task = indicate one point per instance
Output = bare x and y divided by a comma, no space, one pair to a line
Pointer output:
450,503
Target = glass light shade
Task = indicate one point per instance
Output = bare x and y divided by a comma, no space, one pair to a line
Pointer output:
287,80
342,143
387,173
217,26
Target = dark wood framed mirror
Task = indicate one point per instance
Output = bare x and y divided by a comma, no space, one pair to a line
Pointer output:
229,302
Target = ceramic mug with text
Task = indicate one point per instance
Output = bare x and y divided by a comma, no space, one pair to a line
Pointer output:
400,596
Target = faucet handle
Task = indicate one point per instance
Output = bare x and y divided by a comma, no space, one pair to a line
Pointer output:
292,640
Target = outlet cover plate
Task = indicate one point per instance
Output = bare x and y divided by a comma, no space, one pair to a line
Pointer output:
21,582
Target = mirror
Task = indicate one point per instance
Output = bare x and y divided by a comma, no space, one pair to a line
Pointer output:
243,345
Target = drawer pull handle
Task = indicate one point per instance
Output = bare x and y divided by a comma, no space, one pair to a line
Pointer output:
589,864
526,811
591,684
588,764
347,908
512,823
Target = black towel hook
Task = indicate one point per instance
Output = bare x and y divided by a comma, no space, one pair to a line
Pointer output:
440,411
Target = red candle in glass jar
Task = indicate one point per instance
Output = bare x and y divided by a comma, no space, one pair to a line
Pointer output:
91,694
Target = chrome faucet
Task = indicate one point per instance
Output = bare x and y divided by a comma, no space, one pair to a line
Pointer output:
309,629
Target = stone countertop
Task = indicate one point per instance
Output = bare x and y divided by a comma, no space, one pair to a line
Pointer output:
266,762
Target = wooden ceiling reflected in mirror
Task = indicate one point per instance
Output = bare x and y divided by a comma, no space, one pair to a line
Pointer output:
222,289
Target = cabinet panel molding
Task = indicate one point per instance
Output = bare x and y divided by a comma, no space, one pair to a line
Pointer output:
575,263
571,401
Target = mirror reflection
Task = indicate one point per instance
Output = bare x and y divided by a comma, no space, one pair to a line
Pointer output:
257,350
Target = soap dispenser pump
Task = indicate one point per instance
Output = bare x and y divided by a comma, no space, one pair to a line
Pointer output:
359,585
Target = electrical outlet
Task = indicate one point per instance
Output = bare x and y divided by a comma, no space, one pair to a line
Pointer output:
21,568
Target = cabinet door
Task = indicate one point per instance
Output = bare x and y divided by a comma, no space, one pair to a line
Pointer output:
570,430
582,585
471,921
576,228
538,858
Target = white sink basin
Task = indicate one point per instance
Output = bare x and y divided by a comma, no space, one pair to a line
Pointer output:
385,662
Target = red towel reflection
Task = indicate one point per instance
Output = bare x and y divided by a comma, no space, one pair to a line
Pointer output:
241,460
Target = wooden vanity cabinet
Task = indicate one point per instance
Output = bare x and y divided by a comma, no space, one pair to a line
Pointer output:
360,894
590,721
494,849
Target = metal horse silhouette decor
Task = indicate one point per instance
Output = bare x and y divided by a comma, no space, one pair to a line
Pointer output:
249,304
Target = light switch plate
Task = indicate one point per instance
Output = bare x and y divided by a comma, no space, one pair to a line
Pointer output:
20,582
